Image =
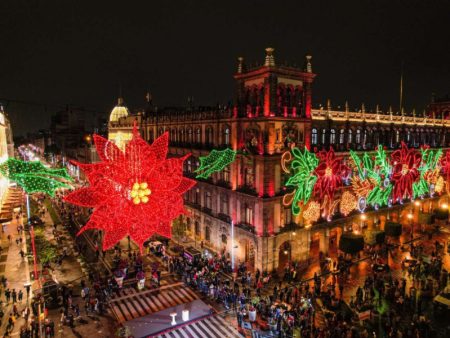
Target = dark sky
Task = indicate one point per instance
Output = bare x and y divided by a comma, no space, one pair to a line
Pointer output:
81,52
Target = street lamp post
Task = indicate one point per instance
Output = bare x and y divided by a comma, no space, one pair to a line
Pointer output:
410,218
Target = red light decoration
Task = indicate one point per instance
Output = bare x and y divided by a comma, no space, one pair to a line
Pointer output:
137,192
330,172
445,163
405,165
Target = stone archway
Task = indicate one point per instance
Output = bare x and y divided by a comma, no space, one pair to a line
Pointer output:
247,253
284,255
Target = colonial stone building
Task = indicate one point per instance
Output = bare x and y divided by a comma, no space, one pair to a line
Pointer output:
272,111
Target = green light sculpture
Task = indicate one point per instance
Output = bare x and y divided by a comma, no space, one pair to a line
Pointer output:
430,161
216,160
34,176
302,178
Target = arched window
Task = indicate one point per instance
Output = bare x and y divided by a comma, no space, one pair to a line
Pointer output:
189,165
332,136
224,239
224,204
207,233
173,135
198,136
248,214
226,135
341,136
397,136
197,196
350,136
181,135
197,228
189,135
358,136
249,179
287,216
226,174
208,200
209,136
324,135
314,136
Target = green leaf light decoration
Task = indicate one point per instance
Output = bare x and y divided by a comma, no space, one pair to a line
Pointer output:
302,177
34,177
216,160
430,160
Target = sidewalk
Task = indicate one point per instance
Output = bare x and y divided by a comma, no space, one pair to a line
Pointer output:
17,272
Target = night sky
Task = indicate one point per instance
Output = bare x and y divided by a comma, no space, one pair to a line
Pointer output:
81,52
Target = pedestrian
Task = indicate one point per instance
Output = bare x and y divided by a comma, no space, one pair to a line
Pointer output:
9,238
14,296
20,296
27,288
17,241
7,295
22,253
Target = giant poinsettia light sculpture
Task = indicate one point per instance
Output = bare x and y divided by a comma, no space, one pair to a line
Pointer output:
405,171
330,173
137,192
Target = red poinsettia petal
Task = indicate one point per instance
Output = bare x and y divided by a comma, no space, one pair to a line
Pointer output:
140,156
168,175
185,185
107,150
160,146
85,197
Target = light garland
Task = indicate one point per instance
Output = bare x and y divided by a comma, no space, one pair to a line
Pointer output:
405,172
137,192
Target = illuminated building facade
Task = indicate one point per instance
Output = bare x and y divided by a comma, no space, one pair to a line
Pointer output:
272,112
6,148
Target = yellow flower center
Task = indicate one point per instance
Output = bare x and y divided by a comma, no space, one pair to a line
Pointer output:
328,172
140,192
405,169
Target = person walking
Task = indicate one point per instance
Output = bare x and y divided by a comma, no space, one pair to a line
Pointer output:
7,295
14,296
20,296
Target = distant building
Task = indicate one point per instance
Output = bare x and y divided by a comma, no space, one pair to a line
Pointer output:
439,107
6,148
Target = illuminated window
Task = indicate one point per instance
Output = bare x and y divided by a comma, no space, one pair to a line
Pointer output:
197,196
358,136
209,135
208,233
332,136
314,136
189,135
198,136
287,216
226,174
248,214
224,206
226,135
397,136
249,178
350,136
208,199
197,228
341,136
324,135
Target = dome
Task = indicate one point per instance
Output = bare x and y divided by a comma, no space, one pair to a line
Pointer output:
119,111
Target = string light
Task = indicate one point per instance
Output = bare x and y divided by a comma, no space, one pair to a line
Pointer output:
348,203
404,172
137,192
302,178
312,212
330,173
216,160
34,177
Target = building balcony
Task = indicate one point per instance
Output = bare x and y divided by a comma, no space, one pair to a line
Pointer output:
194,205
289,227
207,210
246,226
224,217
246,189
223,184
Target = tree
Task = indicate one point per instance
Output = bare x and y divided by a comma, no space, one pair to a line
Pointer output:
178,228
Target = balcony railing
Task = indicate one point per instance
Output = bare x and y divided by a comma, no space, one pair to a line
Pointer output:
246,227
246,189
